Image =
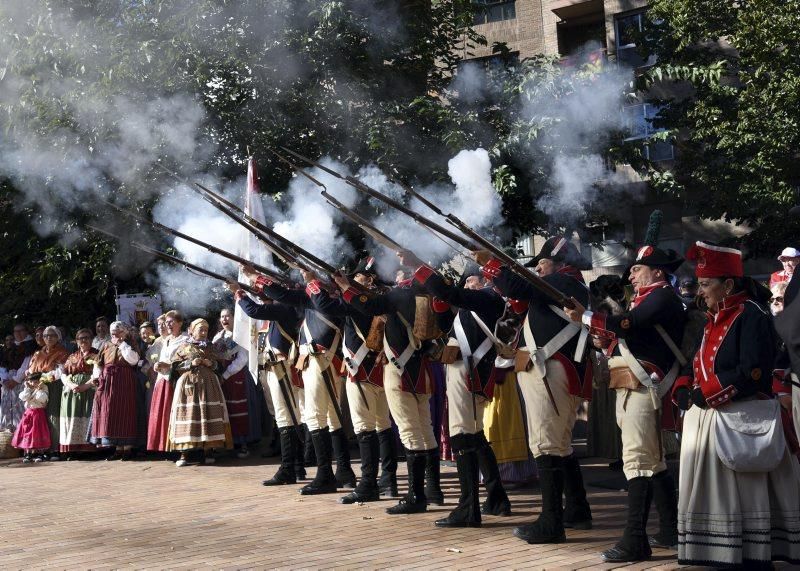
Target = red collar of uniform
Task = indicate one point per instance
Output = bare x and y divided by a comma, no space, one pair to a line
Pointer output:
733,301
572,272
647,290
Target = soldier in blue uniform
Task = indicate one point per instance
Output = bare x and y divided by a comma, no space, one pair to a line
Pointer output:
408,387
369,409
643,345
318,343
277,352
469,358
554,378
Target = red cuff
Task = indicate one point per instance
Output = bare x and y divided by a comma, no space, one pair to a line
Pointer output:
492,269
597,326
261,282
779,383
682,382
721,397
349,294
423,273
439,305
519,306
313,288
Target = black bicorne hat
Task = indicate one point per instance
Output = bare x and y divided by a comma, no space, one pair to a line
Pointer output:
652,257
363,264
471,269
559,249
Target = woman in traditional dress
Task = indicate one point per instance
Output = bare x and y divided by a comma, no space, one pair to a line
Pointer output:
114,411
46,361
163,389
199,418
740,512
233,361
77,396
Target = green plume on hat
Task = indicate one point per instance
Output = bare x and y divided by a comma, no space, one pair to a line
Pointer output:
653,228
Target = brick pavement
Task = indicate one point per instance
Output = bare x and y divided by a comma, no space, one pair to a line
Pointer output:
151,514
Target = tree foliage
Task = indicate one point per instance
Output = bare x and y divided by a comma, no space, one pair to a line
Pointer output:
735,116
353,79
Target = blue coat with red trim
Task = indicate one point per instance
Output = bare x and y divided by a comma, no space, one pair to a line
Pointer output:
544,323
736,357
353,319
322,334
278,314
399,300
654,305
486,303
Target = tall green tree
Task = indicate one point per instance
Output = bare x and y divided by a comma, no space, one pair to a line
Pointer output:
733,110
80,78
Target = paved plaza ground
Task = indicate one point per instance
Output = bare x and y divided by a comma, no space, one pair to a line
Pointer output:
151,514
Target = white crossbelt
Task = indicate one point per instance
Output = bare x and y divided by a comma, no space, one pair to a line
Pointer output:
463,342
539,355
292,343
308,346
413,345
657,388
353,360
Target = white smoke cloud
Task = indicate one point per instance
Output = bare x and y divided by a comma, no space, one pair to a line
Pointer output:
309,221
578,125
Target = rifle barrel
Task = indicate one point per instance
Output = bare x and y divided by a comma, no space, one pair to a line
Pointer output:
176,260
475,241
287,250
275,276
366,189
362,223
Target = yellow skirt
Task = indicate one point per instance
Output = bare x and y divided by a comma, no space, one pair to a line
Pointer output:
503,422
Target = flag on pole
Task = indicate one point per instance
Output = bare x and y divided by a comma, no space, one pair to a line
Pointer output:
245,329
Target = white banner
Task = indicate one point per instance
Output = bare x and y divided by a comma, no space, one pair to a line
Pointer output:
245,330
135,308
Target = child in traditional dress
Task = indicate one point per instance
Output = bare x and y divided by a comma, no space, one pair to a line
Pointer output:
33,432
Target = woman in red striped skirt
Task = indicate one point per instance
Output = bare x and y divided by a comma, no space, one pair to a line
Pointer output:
114,411
164,388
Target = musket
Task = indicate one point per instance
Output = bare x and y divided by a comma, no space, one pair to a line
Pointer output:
175,260
474,242
273,275
368,190
288,251
359,221
553,293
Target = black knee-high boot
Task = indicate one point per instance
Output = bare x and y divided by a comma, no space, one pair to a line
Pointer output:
467,513
497,502
549,528
324,482
388,452
300,446
433,488
345,477
309,455
577,513
367,488
286,472
415,501
634,546
665,497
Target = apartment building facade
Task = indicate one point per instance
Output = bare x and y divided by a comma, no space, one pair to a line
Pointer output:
602,30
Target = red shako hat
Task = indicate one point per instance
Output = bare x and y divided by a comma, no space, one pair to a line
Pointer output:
715,261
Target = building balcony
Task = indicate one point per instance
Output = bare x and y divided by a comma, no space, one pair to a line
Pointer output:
569,10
